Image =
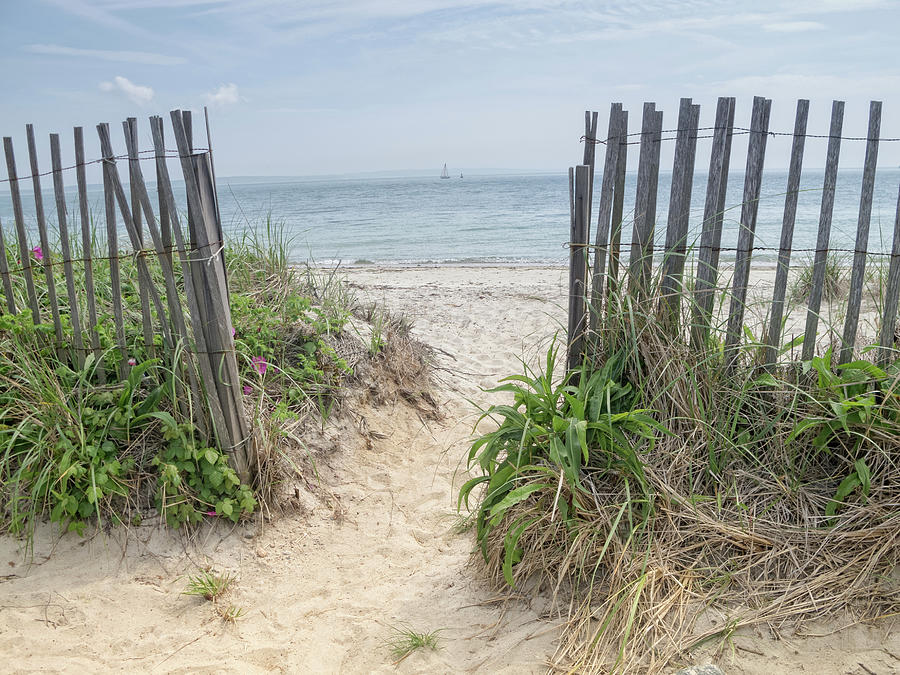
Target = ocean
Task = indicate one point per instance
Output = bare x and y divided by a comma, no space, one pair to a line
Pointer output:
495,219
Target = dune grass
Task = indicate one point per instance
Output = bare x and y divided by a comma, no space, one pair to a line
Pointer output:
652,485
82,437
208,585
405,641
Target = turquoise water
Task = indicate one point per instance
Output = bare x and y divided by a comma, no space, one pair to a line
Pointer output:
505,219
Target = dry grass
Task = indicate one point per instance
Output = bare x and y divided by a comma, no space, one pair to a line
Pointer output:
398,369
738,512
399,366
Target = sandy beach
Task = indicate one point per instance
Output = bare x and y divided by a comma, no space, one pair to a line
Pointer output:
374,547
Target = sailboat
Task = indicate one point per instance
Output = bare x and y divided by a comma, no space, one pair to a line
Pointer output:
445,173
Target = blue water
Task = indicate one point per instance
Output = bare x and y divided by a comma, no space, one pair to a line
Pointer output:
496,218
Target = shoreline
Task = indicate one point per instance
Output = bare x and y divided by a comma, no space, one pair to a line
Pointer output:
725,265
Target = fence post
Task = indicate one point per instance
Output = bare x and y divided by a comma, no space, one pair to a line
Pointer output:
641,261
590,151
713,216
818,278
578,265
601,244
679,211
756,154
131,137
87,252
112,243
209,284
46,253
787,232
858,276
24,252
618,207
59,192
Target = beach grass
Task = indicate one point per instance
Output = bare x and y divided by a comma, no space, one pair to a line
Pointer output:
84,438
405,641
209,585
665,500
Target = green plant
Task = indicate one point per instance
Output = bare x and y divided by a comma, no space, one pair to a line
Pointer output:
195,480
835,279
583,425
764,488
405,641
104,434
231,613
847,411
209,585
280,335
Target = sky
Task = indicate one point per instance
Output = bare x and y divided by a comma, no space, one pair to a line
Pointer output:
347,86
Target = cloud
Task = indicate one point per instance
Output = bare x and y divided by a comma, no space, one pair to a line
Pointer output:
793,26
135,92
147,58
227,94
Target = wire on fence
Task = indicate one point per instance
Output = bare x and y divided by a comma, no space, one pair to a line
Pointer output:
775,249
217,247
735,131
151,154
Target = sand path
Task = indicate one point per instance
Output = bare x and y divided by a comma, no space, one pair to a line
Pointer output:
320,591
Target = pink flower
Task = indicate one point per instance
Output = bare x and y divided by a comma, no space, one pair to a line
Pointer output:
247,390
233,331
132,361
210,513
38,253
259,364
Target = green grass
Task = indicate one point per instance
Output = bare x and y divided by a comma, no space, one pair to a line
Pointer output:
209,585
89,437
231,613
656,480
405,641
836,279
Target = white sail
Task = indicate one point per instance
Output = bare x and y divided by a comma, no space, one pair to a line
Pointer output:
445,173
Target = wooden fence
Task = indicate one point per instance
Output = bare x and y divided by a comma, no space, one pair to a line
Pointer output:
686,299
196,341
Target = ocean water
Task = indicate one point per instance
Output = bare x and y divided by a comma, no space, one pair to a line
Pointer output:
499,219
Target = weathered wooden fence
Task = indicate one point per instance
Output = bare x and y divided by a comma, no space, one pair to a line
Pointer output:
686,300
196,341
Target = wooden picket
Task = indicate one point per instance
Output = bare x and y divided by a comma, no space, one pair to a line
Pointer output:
691,293
196,340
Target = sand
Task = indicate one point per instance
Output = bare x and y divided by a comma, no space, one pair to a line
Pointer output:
376,548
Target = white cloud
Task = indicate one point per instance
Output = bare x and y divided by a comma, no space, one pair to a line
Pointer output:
135,92
147,58
793,26
227,94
